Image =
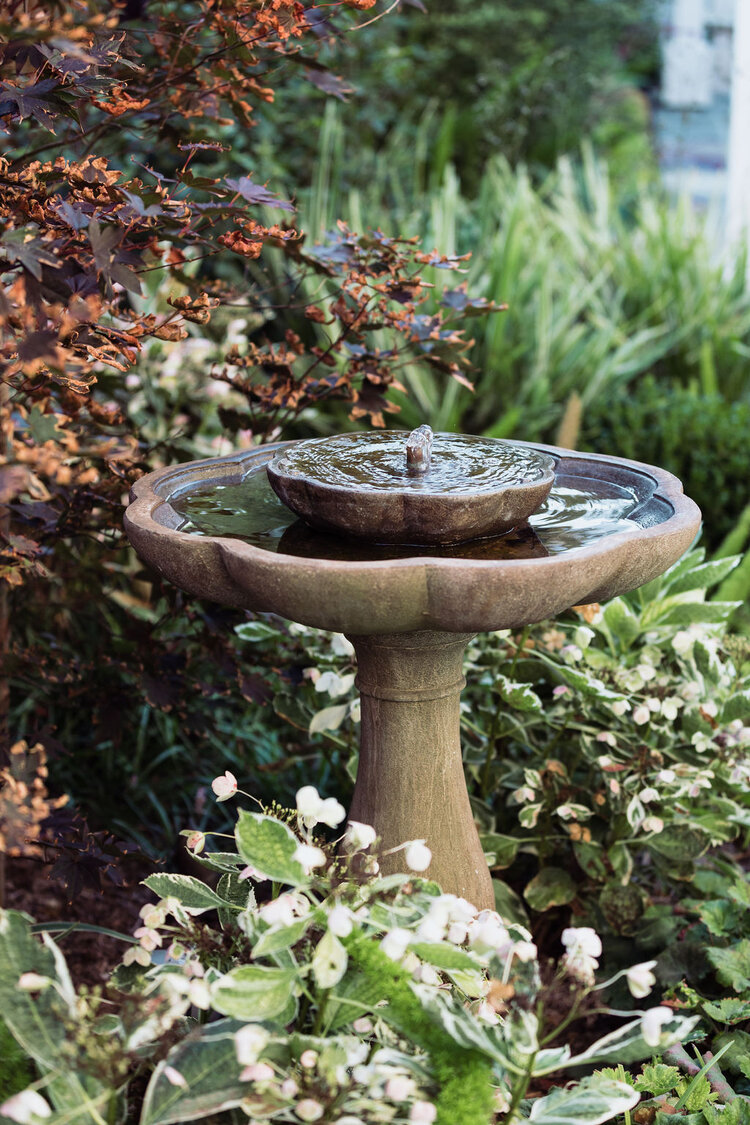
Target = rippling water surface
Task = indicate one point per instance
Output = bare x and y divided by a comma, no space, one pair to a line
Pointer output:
459,463
577,512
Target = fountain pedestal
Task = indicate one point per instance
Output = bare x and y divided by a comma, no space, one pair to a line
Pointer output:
410,781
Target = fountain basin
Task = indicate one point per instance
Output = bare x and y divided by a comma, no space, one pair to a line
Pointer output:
459,595
360,485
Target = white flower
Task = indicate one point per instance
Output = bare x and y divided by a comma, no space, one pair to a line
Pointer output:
640,979
359,836
582,948
525,793
571,654
682,642
309,1110
431,928
641,715
24,1107
334,684
652,1023
395,942
667,776
457,933
525,950
485,1013
648,794
583,636
363,1026
646,671
149,939
281,910
313,809
309,856
308,1059
399,1088
199,994
33,982
225,786
710,708
196,842
257,1072
583,938
653,824
606,736
418,856
670,707
138,955
289,1088
340,921
174,1077
426,974
422,1113
620,706
249,1042
341,646
488,934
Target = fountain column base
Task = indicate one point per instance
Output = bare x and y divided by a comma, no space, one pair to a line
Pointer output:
410,782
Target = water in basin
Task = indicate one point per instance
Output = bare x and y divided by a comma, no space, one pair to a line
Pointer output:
459,463
577,512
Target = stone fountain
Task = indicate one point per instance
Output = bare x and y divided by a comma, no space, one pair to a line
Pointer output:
411,545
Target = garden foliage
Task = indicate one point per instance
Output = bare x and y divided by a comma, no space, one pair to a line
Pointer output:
404,1004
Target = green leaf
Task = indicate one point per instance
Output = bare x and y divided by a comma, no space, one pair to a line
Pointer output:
253,992
508,904
329,961
736,707
443,955
680,842
589,1102
256,632
704,577
207,1060
626,1044
720,916
330,718
268,845
621,623
277,938
500,851
620,857
590,859
732,965
698,613
657,1078
43,427
193,895
520,696
36,1021
737,1058
550,887
730,1010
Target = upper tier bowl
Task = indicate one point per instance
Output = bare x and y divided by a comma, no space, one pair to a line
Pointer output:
361,485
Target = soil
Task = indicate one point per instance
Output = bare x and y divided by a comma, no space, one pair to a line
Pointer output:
91,957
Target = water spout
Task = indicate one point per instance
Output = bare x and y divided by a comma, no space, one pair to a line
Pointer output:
419,450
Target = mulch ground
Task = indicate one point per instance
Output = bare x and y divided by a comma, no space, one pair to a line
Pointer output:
91,957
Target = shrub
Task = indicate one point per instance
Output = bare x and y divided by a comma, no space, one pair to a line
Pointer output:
701,438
